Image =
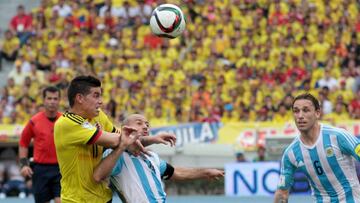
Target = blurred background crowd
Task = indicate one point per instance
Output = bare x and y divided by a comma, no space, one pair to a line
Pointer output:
238,60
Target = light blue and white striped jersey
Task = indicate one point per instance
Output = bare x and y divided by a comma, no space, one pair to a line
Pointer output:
138,179
328,164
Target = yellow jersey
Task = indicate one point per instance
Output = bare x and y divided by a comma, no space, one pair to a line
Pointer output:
78,156
11,45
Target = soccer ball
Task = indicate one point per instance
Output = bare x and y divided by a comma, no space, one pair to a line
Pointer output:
167,20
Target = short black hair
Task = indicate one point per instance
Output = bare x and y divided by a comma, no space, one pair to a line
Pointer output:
310,97
81,85
50,89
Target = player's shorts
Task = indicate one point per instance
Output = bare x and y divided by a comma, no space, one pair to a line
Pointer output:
46,182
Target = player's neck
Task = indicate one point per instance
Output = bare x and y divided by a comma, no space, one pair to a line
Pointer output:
78,111
310,137
50,114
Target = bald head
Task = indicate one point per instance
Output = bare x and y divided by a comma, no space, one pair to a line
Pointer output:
132,118
139,122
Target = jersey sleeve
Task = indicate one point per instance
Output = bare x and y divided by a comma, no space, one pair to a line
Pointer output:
287,170
77,133
349,144
166,170
162,167
118,166
27,134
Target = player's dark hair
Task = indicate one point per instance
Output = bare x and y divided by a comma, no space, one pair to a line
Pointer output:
81,85
50,89
21,7
310,97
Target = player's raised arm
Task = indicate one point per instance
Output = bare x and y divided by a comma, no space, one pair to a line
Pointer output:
181,173
106,139
161,138
103,170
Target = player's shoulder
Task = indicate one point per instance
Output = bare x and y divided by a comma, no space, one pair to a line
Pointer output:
329,129
154,156
41,116
38,116
292,145
70,119
73,117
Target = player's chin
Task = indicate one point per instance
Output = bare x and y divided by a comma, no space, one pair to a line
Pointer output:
96,112
303,127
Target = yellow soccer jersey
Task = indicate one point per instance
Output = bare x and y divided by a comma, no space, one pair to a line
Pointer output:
78,156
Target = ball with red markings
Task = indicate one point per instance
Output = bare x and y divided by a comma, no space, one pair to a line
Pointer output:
167,20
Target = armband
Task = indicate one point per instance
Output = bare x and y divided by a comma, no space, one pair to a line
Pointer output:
169,171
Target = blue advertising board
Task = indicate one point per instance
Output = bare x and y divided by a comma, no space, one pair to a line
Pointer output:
259,178
191,132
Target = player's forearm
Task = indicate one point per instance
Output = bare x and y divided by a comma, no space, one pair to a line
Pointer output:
103,170
189,173
109,140
147,140
23,157
23,152
281,196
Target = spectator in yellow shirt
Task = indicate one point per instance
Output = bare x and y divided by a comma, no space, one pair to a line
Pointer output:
282,116
339,114
159,118
10,48
320,49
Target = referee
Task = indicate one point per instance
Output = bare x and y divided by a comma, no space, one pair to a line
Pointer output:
45,174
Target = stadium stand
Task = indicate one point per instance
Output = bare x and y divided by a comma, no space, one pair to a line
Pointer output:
236,61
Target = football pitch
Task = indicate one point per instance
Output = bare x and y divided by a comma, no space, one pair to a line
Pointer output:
197,199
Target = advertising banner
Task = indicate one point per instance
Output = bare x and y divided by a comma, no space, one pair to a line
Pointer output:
247,179
191,132
251,134
260,178
10,133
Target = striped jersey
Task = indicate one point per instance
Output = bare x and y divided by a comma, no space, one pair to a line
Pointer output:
78,155
138,179
328,164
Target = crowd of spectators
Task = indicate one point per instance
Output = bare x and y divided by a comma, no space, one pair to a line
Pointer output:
238,60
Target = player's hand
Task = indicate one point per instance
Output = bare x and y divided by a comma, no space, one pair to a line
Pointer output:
128,136
164,138
139,148
214,174
26,171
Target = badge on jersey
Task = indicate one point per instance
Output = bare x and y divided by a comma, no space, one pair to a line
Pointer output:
329,151
357,150
87,125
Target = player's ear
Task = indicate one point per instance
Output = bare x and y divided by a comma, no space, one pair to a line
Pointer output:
79,98
318,113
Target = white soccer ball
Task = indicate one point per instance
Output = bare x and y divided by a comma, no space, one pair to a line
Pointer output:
167,20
